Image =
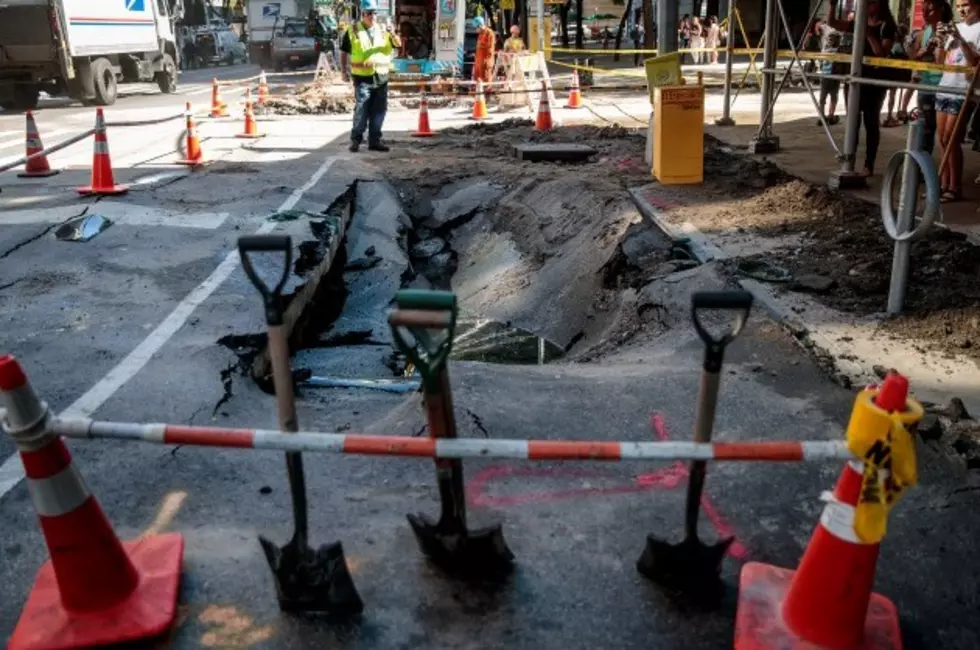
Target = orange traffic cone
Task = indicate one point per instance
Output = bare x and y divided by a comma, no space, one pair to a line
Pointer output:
424,130
480,104
251,128
263,89
103,182
574,93
194,156
543,122
36,165
218,107
827,602
95,590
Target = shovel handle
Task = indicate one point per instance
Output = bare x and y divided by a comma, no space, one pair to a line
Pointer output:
423,324
739,302
271,294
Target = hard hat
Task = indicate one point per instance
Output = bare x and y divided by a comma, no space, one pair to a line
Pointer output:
477,22
369,5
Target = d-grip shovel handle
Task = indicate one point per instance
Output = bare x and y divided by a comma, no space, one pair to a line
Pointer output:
737,301
271,295
417,313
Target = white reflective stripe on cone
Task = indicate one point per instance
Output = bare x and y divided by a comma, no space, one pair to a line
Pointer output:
59,494
838,519
101,147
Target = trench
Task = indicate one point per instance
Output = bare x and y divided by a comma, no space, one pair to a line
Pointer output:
456,237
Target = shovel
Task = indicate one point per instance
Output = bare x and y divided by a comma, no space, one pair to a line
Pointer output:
693,567
423,324
307,579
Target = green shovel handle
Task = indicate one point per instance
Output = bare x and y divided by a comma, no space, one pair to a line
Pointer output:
417,313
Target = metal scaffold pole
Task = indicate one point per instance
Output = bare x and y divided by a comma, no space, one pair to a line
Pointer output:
764,141
667,31
846,177
726,116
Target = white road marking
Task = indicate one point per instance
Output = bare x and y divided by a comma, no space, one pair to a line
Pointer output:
12,471
21,141
131,214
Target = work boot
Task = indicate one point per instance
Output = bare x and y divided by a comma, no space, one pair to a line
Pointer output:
379,147
354,147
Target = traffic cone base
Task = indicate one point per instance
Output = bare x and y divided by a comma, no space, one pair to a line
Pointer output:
251,136
759,622
114,190
38,174
147,612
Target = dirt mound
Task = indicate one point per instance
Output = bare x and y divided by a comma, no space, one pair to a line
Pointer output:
314,100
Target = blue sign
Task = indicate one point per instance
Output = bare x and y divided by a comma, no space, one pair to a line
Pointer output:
271,10
135,5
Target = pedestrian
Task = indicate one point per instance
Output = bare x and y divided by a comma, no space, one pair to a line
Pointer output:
829,43
961,49
486,43
366,52
515,44
900,50
927,48
697,40
637,43
879,39
713,40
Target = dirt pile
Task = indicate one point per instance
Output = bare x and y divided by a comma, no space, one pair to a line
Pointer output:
838,245
314,99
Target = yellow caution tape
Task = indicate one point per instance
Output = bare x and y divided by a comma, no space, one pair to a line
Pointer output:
882,440
900,64
594,70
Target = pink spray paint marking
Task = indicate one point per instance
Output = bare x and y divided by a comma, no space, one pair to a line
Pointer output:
666,478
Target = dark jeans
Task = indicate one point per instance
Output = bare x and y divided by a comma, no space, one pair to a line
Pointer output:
870,103
370,108
829,88
927,106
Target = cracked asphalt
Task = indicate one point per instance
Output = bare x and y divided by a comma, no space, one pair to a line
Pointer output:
127,327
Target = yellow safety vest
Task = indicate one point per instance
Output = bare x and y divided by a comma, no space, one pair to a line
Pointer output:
366,57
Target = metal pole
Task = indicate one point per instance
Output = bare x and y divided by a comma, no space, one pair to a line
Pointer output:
726,115
845,177
906,213
666,26
765,142
540,10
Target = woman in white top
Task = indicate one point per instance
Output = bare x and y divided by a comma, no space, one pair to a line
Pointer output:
961,49
713,40
697,40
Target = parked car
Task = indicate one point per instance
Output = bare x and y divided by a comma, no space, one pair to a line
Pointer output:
292,47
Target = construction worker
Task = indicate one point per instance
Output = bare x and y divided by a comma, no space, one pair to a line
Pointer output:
514,44
366,56
486,42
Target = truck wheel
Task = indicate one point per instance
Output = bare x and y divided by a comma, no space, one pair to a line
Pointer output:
280,66
167,78
104,80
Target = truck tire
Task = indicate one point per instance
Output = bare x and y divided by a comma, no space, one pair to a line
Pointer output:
104,81
167,78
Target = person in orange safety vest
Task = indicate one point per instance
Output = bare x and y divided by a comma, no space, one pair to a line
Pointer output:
486,42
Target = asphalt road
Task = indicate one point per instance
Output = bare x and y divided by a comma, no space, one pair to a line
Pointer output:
133,326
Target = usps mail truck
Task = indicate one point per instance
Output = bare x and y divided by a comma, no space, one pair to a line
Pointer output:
84,48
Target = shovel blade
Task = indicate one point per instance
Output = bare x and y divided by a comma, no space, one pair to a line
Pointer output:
690,567
309,580
480,554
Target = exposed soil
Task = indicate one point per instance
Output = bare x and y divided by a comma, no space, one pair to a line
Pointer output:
839,244
314,99
551,248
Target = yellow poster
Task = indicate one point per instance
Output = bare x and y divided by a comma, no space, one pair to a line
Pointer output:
506,4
